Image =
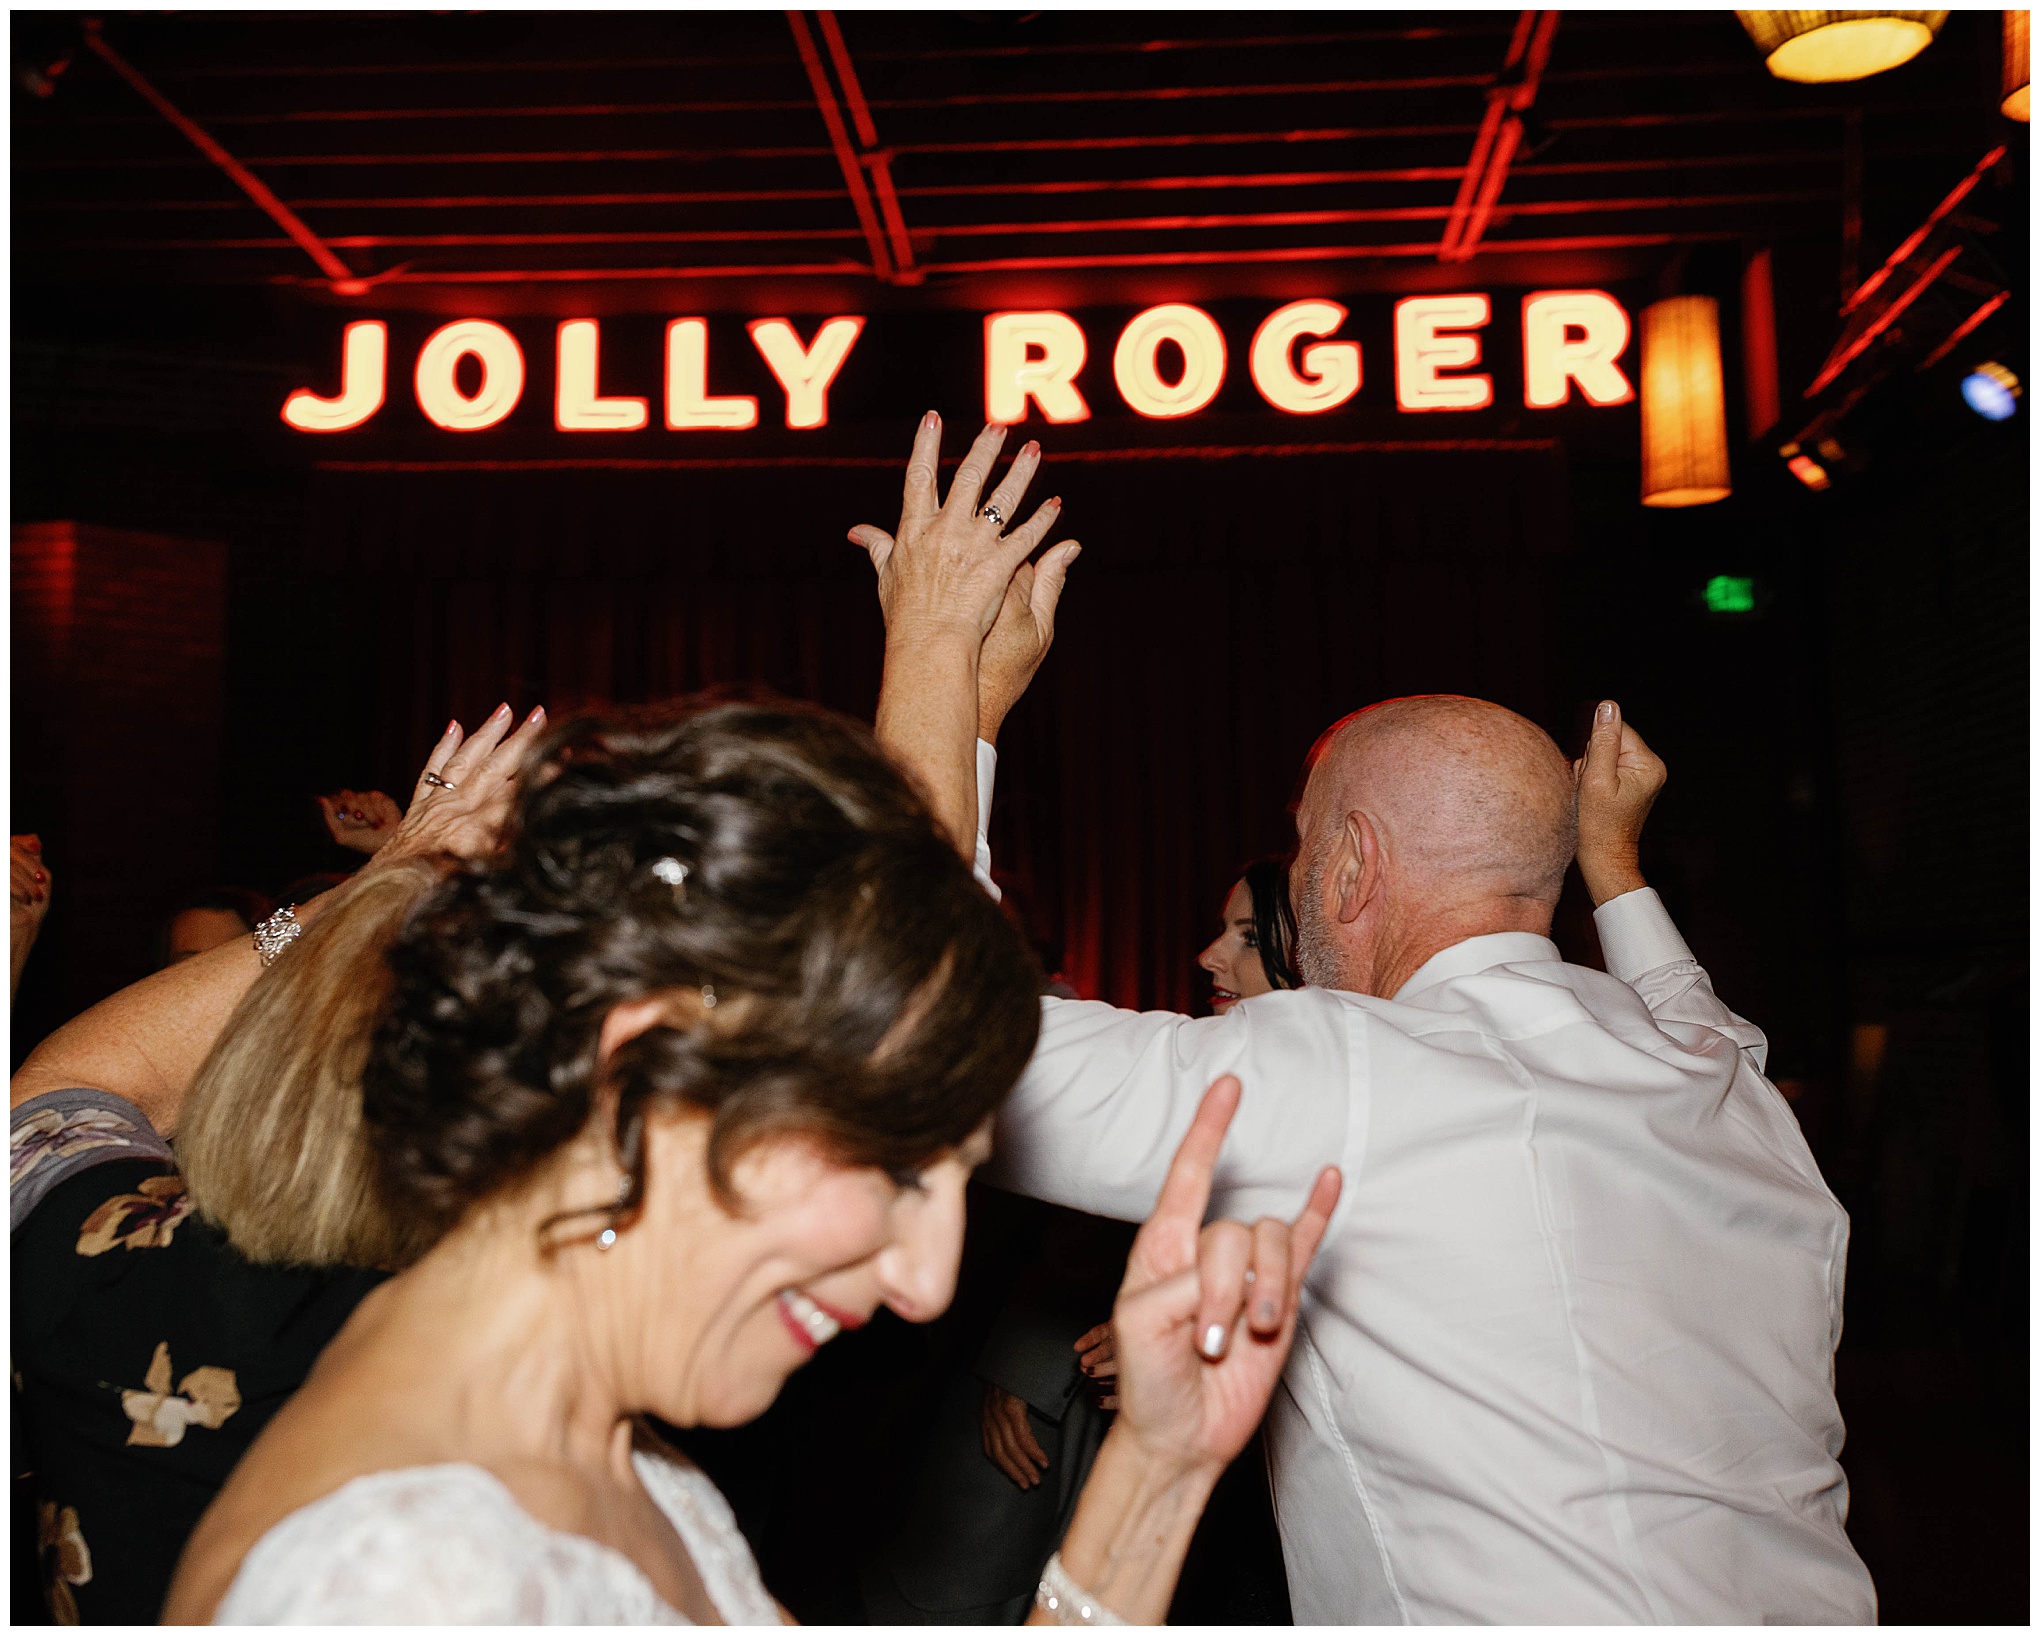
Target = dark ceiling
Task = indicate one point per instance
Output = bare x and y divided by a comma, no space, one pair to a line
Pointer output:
618,156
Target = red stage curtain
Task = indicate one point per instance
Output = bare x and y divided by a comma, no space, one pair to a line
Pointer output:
1224,612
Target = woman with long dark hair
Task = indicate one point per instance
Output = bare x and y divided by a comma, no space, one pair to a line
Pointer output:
1255,948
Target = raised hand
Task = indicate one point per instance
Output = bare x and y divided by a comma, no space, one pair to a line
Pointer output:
464,793
1206,1314
1618,779
361,822
947,566
1021,635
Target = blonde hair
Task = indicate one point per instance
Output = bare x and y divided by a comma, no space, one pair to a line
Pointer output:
270,1137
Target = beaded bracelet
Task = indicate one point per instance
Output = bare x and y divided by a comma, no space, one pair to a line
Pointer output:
276,934
1067,1602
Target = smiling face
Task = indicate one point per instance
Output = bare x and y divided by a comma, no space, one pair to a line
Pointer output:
1234,957
726,1306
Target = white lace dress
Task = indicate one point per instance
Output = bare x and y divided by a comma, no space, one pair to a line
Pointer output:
449,1545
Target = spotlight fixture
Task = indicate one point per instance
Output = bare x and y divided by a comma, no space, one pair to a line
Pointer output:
1821,47
1992,391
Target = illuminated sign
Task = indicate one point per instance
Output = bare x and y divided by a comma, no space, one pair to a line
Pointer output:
1169,362
439,360
1136,361
1423,348
1033,355
1324,375
1553,359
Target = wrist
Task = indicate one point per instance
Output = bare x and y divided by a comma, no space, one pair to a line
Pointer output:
1611,873
904,631
1133,1524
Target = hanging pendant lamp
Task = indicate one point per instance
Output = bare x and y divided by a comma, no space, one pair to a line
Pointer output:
1685,415
2018,98
1818,47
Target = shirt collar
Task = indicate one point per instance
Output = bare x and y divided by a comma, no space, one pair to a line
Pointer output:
1478,954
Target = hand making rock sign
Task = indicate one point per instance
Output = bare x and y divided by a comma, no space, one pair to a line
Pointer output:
1202,1326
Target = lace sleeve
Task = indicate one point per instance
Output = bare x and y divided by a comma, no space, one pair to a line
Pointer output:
432,1545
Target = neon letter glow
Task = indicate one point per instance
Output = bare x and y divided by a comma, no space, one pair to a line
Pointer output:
1553,359
364,366
1326,374
1139,379
1033,355
805,372
577,403
688,405
1420,352
502,361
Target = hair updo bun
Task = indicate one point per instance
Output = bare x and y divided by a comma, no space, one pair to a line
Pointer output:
886,1006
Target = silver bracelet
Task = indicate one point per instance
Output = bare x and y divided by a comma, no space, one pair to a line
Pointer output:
1067,1602
276,934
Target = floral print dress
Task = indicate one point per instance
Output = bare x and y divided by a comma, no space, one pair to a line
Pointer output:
147,1355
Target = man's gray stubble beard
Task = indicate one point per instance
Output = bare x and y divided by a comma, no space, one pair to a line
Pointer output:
1317,953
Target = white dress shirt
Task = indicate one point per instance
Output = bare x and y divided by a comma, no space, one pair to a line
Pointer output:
1567,1352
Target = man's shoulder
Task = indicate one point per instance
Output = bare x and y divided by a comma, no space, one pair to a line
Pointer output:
1507,1002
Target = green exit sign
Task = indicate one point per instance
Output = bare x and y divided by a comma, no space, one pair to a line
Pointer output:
1728,594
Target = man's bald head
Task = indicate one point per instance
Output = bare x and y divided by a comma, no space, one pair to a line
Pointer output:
1472,810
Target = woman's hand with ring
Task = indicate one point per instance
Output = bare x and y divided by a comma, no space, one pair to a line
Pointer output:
948,564
465,790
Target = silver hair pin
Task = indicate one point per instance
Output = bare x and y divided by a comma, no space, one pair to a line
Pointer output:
672,871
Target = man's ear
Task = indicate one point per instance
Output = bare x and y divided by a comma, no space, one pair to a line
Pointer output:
1357,871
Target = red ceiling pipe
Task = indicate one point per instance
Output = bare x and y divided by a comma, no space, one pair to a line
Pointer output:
343,278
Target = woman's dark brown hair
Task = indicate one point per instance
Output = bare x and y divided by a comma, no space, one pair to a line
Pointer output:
868,993
1274,920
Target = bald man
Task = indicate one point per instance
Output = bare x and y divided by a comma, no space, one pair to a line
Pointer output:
1567,1353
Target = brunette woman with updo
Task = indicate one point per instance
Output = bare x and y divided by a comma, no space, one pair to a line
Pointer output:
683,1080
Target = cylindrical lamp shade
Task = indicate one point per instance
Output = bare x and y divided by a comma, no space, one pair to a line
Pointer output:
1818,47
1685,416
2018,100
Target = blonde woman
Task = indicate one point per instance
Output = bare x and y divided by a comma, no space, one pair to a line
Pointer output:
147,1352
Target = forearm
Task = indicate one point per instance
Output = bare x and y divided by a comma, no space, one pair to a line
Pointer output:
928,722
146,1042
1132,1528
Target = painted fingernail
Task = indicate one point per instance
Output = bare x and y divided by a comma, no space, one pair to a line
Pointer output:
537,715
1030,447
502,710
1605,712
1213,1345
452,727
930,421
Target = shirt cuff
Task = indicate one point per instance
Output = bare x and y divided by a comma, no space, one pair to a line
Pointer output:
981,860
1637,935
